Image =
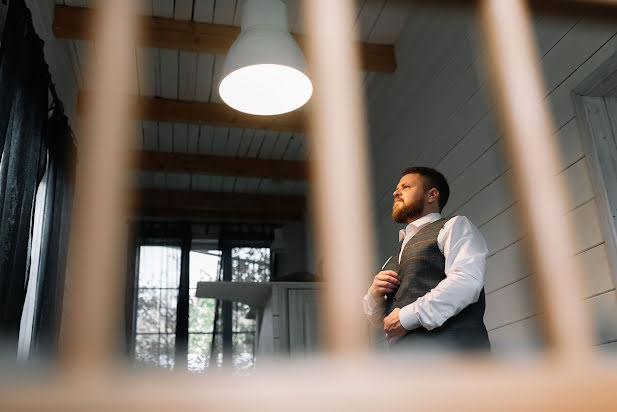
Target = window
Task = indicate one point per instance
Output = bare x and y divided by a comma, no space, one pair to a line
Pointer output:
248,265
157,297
204,266
159,269
597,116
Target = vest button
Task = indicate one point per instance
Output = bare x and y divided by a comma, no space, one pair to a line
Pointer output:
394,299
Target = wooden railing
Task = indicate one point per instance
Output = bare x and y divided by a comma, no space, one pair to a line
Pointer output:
347,376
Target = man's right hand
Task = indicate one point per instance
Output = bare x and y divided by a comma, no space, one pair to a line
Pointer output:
384,282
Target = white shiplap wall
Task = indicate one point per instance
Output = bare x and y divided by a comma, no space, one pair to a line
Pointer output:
436,111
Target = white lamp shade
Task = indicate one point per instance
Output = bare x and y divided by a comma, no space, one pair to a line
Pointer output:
265,71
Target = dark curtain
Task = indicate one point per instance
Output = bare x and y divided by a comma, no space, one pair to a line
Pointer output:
24,83
55,232
130,297
31,142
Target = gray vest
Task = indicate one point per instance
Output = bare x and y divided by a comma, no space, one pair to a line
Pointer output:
422,267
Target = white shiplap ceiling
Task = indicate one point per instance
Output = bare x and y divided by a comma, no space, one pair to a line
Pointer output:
189,76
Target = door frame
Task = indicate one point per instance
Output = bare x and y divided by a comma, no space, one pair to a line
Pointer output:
600,84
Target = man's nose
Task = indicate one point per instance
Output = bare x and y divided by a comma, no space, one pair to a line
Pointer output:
396,193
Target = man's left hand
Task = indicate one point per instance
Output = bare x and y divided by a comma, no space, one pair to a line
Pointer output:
392,326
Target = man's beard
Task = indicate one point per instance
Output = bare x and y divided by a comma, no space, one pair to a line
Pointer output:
406,213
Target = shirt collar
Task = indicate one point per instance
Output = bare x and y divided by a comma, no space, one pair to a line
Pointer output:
417,224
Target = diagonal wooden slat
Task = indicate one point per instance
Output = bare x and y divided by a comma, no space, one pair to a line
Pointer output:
177,203
338,144
525,117
97,240
212,114
74,23
220,165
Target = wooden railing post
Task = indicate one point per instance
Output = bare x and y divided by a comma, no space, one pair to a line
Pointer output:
98,238
533,154
341,184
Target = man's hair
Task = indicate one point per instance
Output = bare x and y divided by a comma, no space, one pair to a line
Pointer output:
432,179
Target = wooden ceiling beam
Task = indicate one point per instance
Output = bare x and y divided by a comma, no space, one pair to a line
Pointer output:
599,10
203,113
220,165
76,23
179,204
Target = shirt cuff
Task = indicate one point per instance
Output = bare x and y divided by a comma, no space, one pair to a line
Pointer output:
371,305
409,318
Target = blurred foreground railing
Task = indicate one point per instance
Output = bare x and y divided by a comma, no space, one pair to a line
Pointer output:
347,377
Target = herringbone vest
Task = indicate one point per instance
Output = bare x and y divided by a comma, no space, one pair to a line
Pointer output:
421,268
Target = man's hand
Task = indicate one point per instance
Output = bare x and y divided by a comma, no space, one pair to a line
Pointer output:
384,282
392,326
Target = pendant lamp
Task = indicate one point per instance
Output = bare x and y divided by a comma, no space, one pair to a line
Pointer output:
265,71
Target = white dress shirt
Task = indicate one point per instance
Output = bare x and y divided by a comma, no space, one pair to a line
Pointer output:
465,250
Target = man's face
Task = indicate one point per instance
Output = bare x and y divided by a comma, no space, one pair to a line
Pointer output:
409,197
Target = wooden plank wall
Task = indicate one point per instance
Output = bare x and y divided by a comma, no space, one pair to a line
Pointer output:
436,111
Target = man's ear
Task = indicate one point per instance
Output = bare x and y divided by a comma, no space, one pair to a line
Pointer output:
433,195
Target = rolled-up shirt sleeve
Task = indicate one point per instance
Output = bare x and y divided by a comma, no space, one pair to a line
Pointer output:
465,253
373,309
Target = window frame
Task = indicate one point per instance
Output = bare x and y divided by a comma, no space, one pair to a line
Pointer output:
182,333
599,84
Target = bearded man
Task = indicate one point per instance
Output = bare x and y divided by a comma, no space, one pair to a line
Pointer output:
430,293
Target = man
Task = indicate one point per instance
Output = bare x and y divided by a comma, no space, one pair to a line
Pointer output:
431,291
